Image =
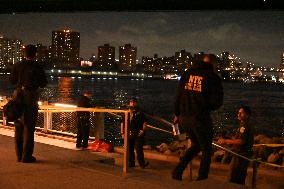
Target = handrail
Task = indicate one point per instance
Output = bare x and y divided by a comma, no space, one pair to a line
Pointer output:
254,161
159,129
50,108
248,159
159,119
231,152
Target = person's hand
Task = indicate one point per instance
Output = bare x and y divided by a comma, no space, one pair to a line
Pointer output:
141,132
122,135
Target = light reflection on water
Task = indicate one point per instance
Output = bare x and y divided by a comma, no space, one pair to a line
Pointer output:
157,96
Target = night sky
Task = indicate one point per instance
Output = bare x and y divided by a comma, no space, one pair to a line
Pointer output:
254,36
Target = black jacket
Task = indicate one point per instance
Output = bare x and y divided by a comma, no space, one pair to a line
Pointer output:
84,102
28,74
137,119
199,92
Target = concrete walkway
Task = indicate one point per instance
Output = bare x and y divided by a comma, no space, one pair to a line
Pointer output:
60,166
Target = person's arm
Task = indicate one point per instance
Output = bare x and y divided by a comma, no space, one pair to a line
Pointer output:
142,131
144,127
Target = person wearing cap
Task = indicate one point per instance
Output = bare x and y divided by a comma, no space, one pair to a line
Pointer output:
28,76
242,144
136,134
199,92
83,120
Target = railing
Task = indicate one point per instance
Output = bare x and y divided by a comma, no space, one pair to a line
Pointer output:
49,119
53,118
255,162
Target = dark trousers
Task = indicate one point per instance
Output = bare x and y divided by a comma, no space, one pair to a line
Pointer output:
83,132
136,142
201,136
24,133
238,170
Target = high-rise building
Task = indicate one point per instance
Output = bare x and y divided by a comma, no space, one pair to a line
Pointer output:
183,59
11,51
65,48
149,64
169,65
159,65
106,57
42,54
127,57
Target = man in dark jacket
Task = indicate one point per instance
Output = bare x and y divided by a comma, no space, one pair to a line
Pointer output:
83,123
28,75
199,92
136,134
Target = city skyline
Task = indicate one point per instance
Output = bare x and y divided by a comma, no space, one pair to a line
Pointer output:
254,36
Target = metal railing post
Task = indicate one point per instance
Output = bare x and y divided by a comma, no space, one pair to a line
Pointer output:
99,125
4,120
254,172
126,146
47,121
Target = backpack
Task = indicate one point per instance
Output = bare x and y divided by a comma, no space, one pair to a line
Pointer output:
13,110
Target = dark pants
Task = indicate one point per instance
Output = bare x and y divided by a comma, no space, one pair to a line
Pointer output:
25,128
136,142
201,135
238,170
83,131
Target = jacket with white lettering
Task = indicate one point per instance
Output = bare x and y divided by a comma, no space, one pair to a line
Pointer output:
199,91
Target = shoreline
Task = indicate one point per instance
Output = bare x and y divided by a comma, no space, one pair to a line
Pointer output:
90,73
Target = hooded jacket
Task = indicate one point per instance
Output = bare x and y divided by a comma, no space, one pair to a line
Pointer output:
199,92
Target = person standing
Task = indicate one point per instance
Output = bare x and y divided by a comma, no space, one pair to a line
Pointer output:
136,134
83,122
28,76
199,92
242,144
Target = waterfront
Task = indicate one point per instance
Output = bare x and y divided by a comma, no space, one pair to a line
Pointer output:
157,96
